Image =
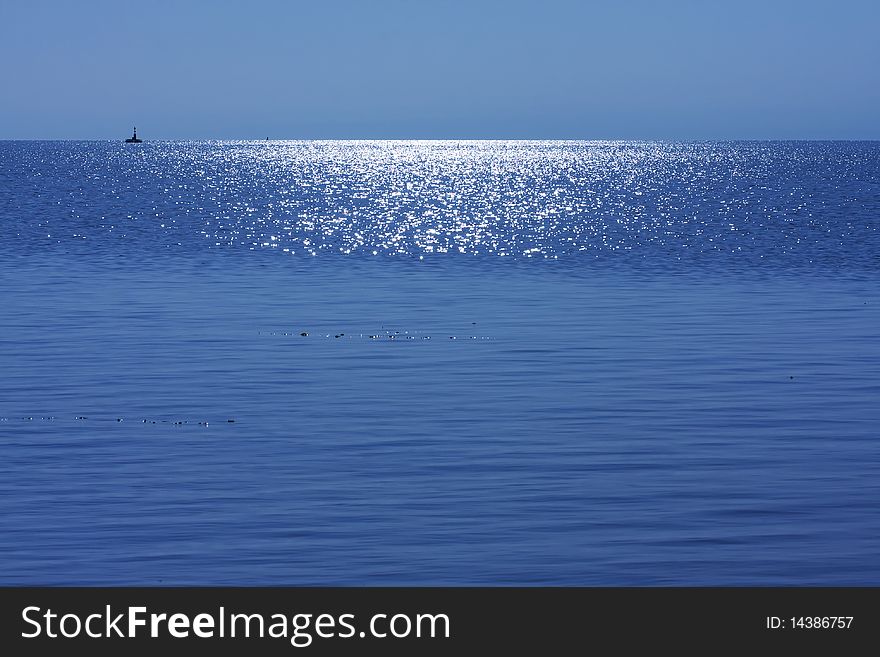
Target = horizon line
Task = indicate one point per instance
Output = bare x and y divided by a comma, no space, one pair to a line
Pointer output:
449,139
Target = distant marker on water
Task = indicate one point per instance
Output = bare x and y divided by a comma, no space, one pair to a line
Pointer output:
134,137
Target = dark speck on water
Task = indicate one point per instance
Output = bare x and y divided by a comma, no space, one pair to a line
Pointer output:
620,418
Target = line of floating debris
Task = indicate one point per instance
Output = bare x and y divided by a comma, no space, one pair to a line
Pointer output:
136,420
382,335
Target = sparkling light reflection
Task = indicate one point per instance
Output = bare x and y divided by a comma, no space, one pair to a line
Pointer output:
511,199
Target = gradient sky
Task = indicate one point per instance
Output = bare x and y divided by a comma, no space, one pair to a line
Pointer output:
440,69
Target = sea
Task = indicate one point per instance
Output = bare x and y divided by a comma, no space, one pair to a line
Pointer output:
420,363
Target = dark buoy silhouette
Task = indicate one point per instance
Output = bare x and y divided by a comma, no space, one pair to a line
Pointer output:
134,138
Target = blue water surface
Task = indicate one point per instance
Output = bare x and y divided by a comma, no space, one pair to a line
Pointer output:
567,363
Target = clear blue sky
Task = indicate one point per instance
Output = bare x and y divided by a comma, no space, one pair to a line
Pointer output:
440,69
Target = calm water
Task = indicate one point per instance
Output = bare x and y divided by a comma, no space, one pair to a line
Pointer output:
608,363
